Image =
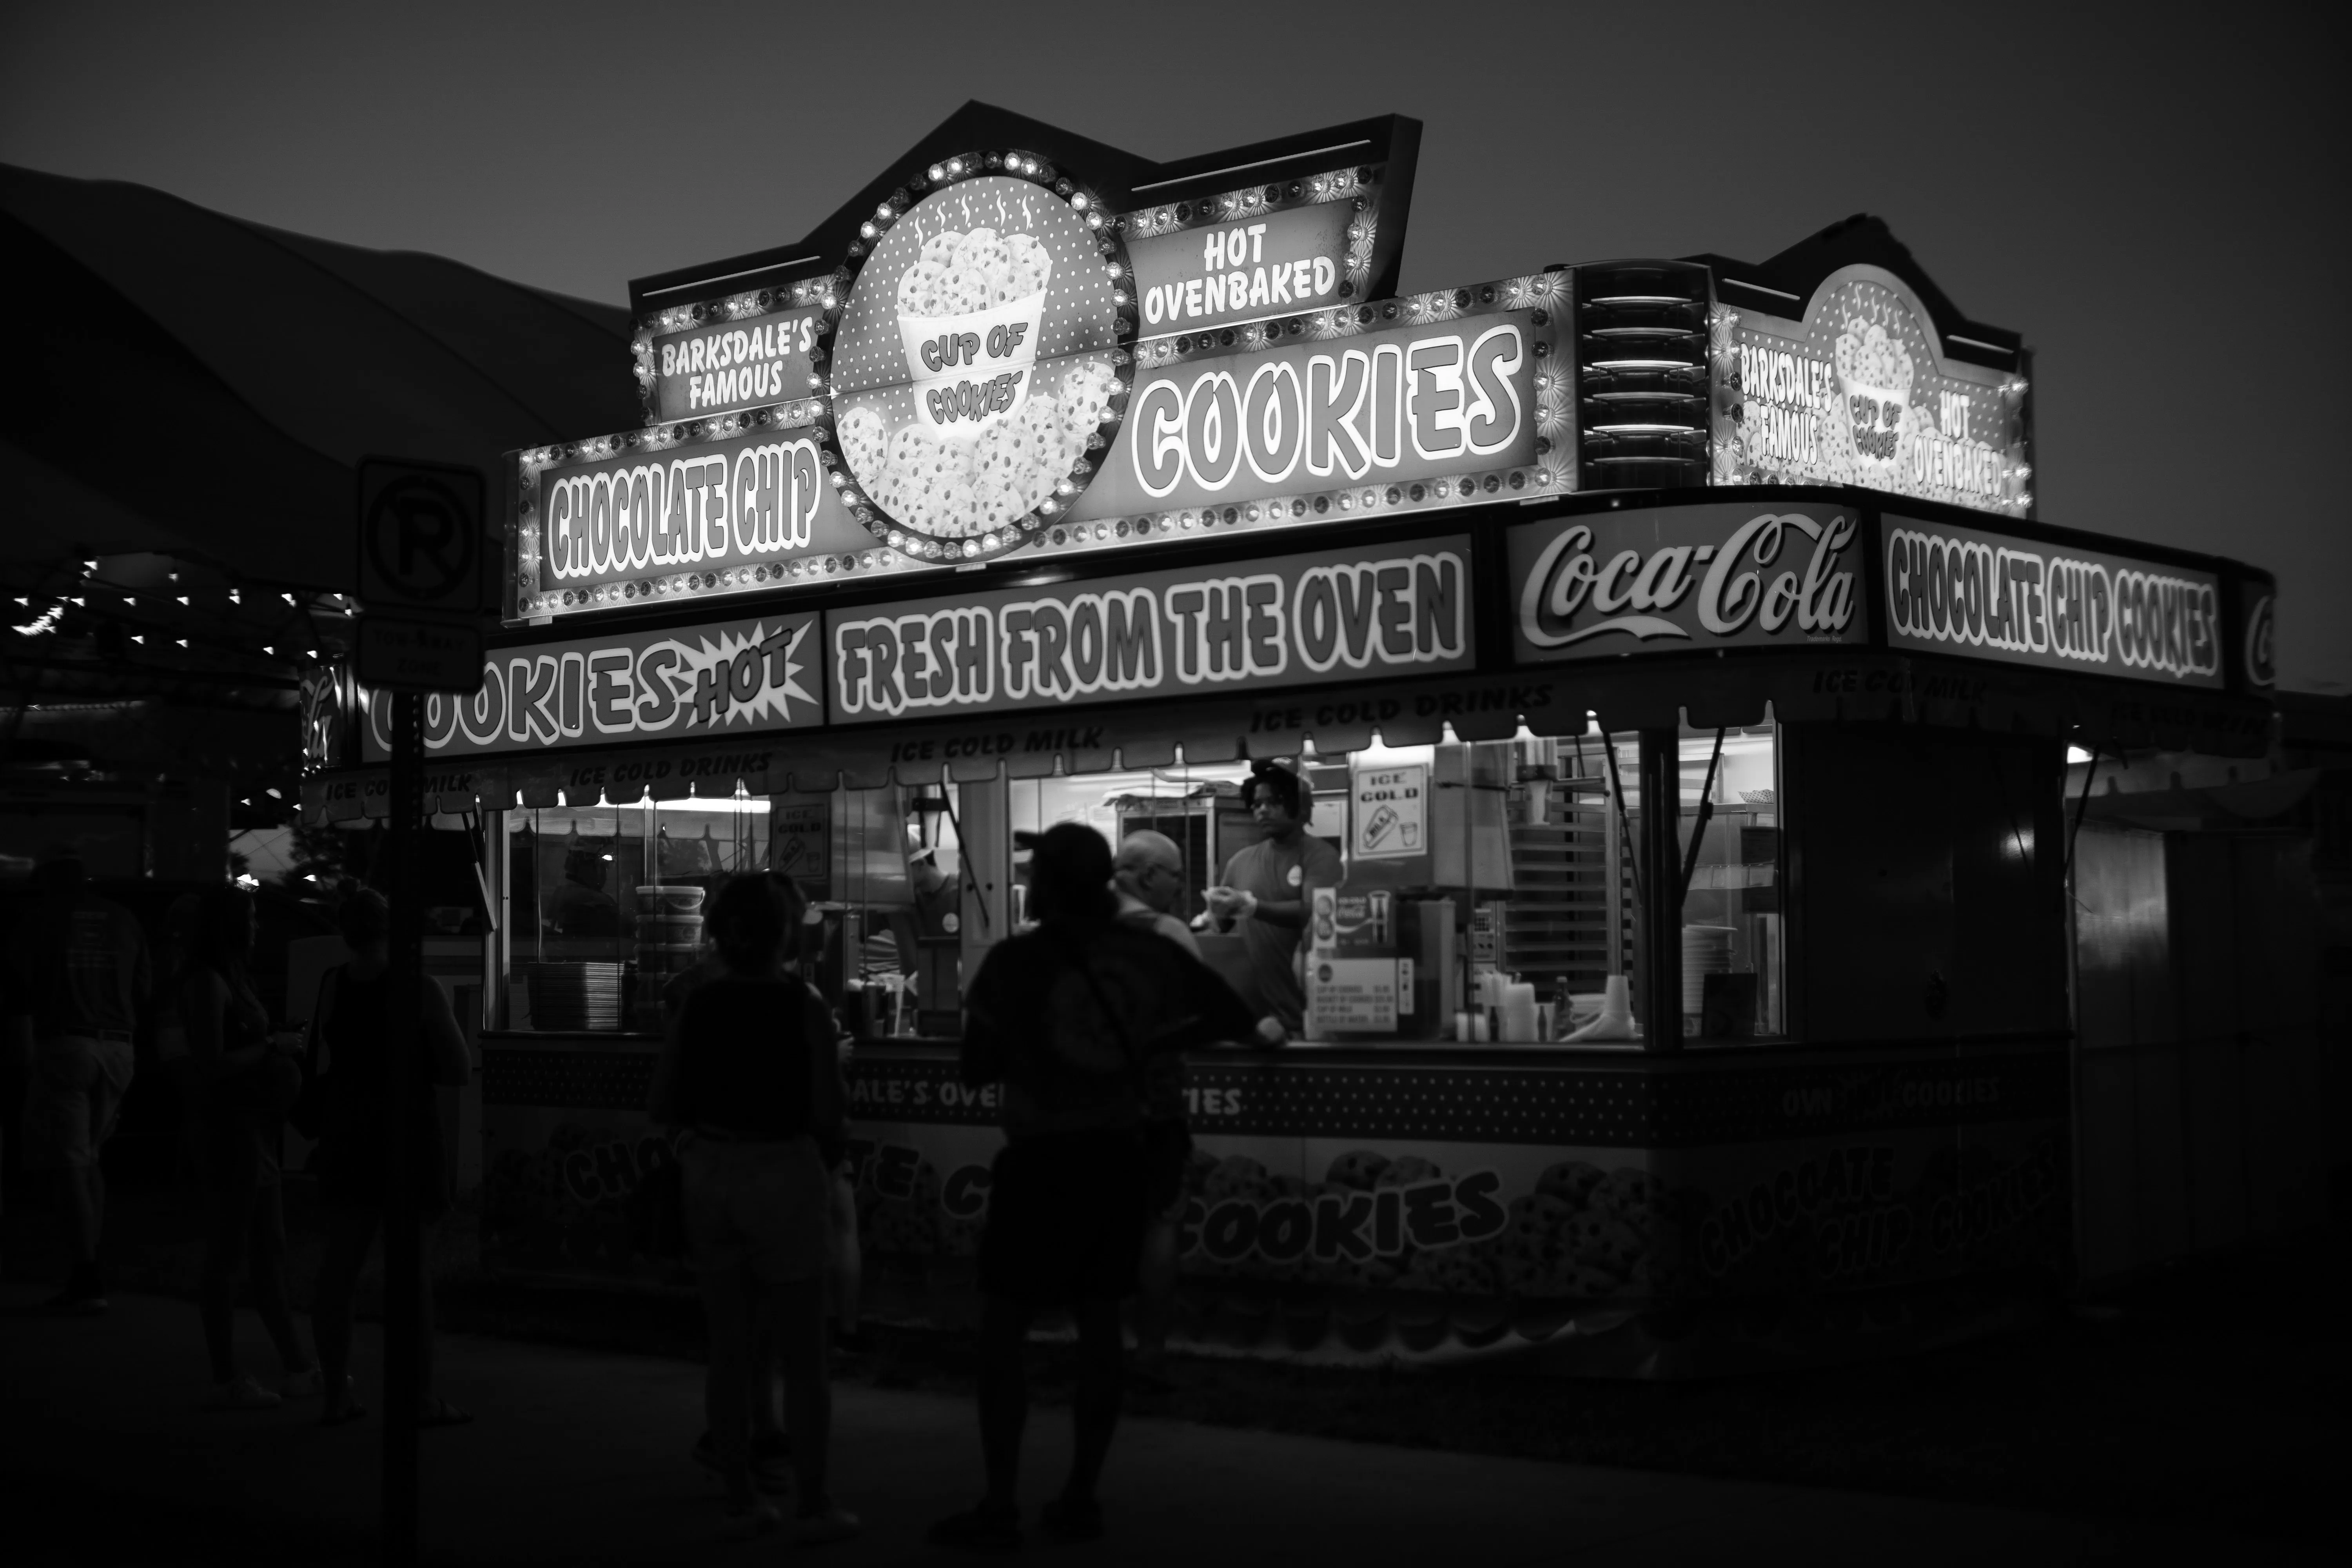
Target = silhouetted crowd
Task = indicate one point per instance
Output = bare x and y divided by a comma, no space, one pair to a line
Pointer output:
1080,1019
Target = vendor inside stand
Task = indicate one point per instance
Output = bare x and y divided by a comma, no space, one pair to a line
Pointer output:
1452,878
581,906
1268,889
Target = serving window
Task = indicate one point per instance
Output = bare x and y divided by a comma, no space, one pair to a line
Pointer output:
1485,891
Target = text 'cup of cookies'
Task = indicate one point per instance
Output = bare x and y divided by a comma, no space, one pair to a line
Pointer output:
972,309
1874,375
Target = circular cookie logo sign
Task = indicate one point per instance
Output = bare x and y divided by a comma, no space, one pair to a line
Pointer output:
979,365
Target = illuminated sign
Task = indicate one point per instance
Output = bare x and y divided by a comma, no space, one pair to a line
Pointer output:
698,360
695,683
1437,400
978,358
1258,253
1298,620
1859,392
745,506
1401,405
1669,579
1984,595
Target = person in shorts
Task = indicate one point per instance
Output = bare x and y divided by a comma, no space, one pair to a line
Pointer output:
771,1447
752,1081
78,976
1066,1017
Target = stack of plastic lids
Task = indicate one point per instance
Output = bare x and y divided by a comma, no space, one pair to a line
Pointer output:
669,932
575,997
669,941
1707,950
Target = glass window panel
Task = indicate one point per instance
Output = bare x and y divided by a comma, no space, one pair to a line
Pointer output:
605,902
1732,914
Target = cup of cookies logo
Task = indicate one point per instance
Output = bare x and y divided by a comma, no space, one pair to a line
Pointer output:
1874,378
979,364
1876,353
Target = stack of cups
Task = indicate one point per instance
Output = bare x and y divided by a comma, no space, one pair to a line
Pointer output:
1707,950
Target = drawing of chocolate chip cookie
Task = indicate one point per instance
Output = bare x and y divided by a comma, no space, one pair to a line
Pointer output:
1357,1168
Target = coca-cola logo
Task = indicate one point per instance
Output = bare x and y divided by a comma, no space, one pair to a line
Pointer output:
1576,592
2259,668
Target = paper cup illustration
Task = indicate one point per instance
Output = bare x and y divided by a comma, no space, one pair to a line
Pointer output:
973,364
970,311
1874,375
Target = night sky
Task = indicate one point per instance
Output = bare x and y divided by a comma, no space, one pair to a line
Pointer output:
2158,207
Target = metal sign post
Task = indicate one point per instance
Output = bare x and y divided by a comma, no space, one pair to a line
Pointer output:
422,558
1660,788
403,1263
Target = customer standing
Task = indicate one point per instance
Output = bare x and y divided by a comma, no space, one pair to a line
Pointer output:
180,921
245,1083
1148,877
770,1449
1066,1017
753,1080
351,1055
78,975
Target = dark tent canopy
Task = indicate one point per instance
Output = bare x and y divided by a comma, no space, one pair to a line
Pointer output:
191,397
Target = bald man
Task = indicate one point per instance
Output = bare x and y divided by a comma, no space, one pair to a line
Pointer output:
1147,875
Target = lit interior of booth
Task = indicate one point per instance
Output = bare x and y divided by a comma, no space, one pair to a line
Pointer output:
1491,892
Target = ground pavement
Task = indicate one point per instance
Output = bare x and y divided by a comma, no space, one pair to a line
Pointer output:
582,1456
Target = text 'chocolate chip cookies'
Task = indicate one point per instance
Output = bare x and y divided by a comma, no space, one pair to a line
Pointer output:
975,364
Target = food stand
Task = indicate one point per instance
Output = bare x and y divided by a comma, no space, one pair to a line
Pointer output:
1671,648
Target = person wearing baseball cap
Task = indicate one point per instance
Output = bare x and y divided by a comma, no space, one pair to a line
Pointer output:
1269,886
1066,1017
